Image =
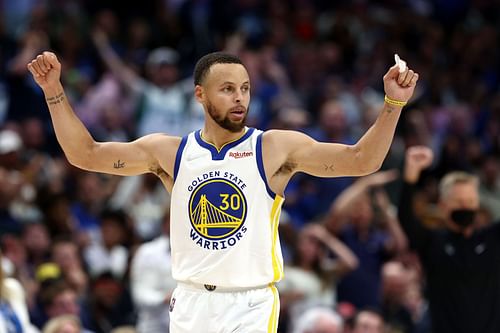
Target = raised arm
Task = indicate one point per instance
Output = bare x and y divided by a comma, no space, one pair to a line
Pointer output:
137,157
397,241
300,153
417,159
342,206
122,72
346,259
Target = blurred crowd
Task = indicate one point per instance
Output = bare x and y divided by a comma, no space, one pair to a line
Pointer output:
87,252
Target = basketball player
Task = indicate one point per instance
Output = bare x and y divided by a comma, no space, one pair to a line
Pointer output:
227,183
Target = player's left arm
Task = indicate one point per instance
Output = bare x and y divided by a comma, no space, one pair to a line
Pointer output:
366,156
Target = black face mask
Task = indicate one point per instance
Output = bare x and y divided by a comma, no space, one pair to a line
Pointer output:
463,217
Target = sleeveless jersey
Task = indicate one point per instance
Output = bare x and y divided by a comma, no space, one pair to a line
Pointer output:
224,217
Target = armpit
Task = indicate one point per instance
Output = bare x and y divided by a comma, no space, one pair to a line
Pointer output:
286,168
158,171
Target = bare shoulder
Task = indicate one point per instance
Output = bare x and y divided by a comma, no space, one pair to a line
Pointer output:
159,142
159,139
279,148
162,149
287,140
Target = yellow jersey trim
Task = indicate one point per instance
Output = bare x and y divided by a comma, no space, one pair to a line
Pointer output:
274,218
272,325
227,143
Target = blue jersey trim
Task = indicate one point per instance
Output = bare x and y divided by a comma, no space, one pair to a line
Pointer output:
218,155
260,166
178,156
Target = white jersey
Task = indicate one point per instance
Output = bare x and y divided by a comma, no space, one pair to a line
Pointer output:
224,216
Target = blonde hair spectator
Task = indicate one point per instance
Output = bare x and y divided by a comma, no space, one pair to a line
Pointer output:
453,178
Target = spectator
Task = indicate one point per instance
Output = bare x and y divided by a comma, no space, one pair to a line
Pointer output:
66,255
63,324
57,299
110,304
460,261
396,281
489,188
13,311
109,253
163,99
319,320
311,278
152,283
368,321
368,226
145,200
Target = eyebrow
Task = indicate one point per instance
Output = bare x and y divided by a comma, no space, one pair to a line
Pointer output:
232,83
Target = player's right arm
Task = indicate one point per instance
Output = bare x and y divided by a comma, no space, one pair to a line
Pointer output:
132,158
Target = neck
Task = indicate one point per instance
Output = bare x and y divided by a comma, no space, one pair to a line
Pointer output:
219,136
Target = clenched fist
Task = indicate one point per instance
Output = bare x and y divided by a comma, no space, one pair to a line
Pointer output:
46,70
399,83
418,158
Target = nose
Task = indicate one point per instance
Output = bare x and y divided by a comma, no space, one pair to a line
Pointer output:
238,96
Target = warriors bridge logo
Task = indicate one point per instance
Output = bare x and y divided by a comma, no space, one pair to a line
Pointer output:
217,211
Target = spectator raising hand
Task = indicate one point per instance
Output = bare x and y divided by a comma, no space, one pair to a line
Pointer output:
418,158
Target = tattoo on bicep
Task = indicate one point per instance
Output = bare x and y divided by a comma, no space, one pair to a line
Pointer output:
328,167
119,165
57,99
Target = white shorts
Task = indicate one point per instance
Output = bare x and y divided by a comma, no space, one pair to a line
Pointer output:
196,309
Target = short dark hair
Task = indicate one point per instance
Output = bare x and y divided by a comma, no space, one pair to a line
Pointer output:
203,65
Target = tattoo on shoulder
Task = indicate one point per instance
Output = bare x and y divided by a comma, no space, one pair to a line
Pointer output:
328,167
119,165
57,99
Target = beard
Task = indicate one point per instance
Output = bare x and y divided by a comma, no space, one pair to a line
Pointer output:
224,121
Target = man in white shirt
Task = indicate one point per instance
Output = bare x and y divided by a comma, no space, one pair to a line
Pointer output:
152,283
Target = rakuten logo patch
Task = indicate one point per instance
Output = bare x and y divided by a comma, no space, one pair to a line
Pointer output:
240,155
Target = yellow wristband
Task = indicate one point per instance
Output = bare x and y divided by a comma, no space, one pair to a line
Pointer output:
394,102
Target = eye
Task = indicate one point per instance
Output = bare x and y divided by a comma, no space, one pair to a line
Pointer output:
245,89
227,89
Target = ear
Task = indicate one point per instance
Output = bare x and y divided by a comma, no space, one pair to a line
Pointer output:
199,94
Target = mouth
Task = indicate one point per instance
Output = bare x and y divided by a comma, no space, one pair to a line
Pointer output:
238,112
238,109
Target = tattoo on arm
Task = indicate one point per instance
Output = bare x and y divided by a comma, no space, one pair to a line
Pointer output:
119,164
389,109
328,167
57,99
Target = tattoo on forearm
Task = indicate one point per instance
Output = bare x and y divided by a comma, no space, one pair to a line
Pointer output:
389,109
119,165
328,167
57,99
